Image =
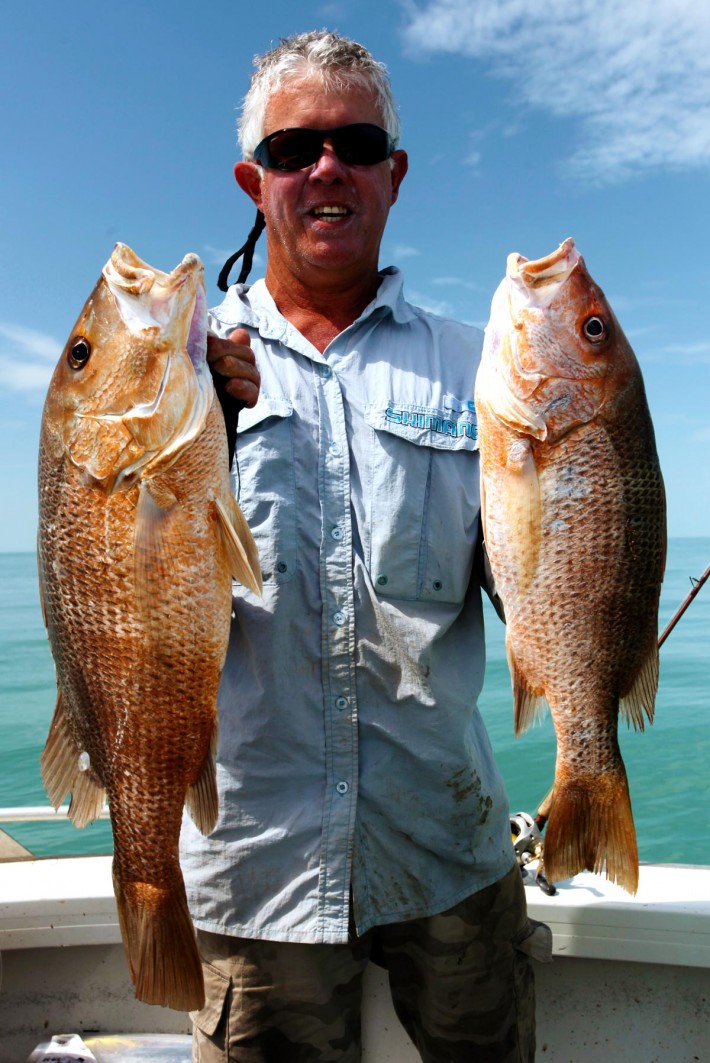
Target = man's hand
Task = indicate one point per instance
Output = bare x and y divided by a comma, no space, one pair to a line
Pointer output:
234,359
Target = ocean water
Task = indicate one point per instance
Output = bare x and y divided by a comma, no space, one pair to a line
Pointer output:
668,764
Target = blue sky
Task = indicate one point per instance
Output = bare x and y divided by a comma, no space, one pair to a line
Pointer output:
525,124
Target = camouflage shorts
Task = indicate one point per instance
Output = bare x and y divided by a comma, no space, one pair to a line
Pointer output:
461,982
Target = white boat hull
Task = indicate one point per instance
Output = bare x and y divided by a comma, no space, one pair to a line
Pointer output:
630,978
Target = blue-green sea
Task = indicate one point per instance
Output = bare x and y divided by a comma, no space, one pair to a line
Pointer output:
668,764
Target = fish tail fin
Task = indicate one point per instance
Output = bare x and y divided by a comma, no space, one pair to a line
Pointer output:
160,944
591,825
61,771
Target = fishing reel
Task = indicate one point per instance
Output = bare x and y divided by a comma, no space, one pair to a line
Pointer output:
528,845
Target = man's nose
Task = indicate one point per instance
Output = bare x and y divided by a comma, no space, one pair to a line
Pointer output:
328,166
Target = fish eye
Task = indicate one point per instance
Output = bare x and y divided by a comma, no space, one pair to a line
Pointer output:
595,329
79,353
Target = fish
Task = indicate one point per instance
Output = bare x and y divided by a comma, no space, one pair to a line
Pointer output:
139,536
574,525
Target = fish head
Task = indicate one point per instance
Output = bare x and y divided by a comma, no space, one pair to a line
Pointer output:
554,349
132,386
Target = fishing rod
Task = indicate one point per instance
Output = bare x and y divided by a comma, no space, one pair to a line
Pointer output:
697,584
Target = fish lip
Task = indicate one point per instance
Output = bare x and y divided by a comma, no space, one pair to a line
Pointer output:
535,283
147,297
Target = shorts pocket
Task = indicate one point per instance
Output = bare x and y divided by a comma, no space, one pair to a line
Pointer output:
211,1019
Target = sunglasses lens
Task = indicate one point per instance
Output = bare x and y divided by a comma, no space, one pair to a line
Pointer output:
293,149
360,144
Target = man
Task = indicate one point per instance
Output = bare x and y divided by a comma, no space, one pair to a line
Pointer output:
361,812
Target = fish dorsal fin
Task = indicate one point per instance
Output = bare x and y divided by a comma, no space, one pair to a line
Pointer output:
641,698
202,799
239,544
63,771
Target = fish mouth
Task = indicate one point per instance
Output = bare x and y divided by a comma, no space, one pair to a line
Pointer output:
174,303
534,283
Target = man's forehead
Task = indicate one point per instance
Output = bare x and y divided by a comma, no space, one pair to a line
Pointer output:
305,100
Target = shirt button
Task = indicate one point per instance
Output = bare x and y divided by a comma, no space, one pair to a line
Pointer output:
326,371
342,787
335,448
336,533
341,703
381,580
339,618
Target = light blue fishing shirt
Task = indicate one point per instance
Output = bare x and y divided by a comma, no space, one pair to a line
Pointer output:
351,749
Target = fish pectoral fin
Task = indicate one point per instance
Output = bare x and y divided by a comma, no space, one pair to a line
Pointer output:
641,698
202,799
510,409
523,511
239,544
62,773
159,531
529,704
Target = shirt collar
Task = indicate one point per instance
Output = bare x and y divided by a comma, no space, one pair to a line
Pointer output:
253,307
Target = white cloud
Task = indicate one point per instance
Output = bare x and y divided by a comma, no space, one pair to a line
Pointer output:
27,358
636,76
405,251
457,282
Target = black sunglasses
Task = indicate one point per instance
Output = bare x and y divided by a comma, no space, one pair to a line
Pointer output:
360,144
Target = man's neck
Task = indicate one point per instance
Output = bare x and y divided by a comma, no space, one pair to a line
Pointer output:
321,315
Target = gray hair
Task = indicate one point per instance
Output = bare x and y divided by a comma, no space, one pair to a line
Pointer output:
341,63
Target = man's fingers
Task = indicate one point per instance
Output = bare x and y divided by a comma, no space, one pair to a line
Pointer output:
233,359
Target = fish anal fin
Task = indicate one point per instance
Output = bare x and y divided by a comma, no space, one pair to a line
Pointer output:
202,799
528,704
160,944
62,772
591,828
641,698
239,544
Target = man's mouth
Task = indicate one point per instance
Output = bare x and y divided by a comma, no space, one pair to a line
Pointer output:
330,213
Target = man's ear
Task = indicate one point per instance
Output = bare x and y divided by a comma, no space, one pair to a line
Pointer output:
248,176
400,165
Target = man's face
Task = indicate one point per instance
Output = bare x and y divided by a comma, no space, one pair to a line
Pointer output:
321,249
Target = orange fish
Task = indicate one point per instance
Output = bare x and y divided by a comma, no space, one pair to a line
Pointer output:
574,525
139,535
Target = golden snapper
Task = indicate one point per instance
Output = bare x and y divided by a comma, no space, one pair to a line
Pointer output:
574,525
139,535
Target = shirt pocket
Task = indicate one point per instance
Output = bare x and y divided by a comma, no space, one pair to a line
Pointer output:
423,520
264,482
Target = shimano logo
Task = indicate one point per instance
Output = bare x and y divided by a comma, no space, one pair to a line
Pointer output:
433,422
